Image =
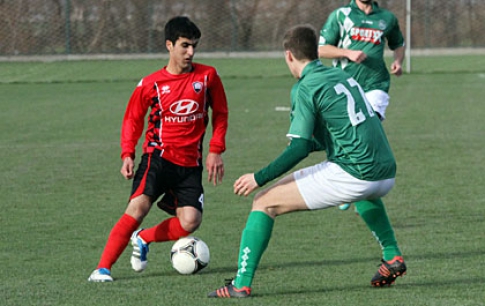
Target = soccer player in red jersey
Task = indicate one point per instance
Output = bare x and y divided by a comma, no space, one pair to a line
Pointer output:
177,99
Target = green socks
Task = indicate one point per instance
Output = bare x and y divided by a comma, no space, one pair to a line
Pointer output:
254,240
375,216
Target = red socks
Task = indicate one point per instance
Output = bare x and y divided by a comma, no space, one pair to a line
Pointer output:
169,229
118,240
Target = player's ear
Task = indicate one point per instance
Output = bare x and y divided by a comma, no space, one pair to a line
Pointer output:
169,45
288,56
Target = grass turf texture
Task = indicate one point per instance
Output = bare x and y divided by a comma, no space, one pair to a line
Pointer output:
61,192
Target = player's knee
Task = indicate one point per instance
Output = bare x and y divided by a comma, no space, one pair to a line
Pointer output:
260,204
190,221
138,208
190,226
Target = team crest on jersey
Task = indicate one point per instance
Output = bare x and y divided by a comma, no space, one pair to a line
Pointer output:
382,24
197,86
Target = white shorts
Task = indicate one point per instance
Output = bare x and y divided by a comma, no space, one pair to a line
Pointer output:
379,100
326,184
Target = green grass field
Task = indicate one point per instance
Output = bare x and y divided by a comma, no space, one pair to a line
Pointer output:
61,192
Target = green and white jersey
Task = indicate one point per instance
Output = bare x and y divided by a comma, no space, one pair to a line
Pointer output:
327,104
350,28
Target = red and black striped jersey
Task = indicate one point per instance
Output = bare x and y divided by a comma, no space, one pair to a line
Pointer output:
179,113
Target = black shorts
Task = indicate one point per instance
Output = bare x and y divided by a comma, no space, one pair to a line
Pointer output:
180,186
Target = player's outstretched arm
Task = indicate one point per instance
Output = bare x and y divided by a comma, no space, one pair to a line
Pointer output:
245,184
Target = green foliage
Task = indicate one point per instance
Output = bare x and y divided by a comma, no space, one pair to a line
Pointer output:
61,193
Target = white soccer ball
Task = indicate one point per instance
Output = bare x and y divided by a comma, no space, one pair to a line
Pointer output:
189,255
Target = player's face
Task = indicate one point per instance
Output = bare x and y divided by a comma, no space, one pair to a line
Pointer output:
181,53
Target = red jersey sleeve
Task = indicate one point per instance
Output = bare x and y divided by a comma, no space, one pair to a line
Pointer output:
218,104
133,121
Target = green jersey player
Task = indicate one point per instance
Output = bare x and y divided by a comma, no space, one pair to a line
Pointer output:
355,37
328,111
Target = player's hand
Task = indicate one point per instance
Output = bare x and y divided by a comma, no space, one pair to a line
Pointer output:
245,184
215,168
127,168
396,68
356,56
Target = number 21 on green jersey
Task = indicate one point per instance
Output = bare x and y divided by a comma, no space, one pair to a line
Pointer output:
356,117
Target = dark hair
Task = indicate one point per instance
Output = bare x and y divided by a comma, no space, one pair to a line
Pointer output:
181,26
302,41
